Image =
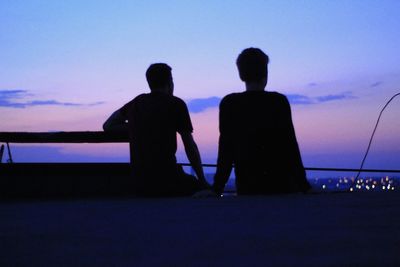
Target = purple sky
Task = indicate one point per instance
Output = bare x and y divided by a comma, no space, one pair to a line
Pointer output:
67,65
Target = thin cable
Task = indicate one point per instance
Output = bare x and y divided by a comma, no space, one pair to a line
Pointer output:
370,140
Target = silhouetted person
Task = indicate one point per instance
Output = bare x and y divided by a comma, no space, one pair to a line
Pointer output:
257,135
153,120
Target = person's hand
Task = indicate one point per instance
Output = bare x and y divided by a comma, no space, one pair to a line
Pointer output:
204,185
206,193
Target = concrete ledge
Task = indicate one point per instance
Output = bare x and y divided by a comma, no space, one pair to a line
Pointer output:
58,180
348,229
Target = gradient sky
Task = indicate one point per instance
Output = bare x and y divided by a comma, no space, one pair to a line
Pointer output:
66,65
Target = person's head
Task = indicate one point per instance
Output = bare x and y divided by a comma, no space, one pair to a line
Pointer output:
159,78
252,64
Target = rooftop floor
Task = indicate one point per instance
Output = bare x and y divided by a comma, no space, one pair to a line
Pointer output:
344,229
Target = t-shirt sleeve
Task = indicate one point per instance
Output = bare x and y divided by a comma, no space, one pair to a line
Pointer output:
183,122
224,118
125,109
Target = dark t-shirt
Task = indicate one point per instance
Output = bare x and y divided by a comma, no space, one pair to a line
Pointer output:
257,136
154,119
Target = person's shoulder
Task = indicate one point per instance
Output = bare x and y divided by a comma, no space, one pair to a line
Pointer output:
277,96
132,102
177,103
178,100
234,100
140,97
230,98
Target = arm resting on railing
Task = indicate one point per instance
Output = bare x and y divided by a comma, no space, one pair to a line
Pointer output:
116,122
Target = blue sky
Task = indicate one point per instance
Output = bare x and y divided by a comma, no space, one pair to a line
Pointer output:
66,65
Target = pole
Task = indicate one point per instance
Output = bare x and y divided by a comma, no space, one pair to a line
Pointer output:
1,153
10,160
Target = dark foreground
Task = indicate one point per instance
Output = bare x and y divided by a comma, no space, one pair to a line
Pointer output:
360,229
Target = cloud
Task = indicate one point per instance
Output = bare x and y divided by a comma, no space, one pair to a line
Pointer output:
200,104
9,99
300,99
328,98
6,94
12,92
306,100
376,84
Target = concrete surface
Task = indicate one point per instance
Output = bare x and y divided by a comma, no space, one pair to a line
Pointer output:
345,229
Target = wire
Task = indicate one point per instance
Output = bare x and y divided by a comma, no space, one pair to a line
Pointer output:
370,140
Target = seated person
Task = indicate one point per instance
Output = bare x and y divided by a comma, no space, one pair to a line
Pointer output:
257,135
153,120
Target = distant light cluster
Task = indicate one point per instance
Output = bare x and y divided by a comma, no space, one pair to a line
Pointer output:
362,184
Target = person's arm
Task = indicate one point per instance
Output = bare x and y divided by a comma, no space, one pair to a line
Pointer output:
193,155
225,154
224,166
116,122
292,150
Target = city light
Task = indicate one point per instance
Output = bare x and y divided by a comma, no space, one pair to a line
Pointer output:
362,184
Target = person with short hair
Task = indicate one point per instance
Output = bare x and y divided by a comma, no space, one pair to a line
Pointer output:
153,119
257,136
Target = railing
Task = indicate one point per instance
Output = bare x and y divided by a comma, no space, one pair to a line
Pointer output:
114,137
96,179
63,137
59,137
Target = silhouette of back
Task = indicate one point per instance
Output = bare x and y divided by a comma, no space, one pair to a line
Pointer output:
257,135
153,121
259,130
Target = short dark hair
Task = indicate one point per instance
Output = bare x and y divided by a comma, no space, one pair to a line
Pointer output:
252,64
158,75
